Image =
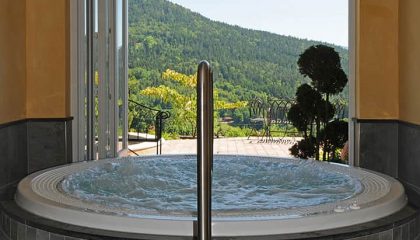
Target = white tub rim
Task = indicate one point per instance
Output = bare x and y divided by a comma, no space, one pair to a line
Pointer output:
27,199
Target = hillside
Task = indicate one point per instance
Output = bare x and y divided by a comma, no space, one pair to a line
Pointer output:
246,62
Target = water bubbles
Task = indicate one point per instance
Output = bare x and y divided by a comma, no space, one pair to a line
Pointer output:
240,183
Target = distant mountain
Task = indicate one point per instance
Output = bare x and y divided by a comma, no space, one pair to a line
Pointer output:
246,62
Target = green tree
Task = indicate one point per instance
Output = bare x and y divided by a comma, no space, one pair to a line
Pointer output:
335,137
246,63
312,112
183,102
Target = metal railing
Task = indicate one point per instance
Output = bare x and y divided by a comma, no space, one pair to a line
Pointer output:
265,114
204,149
144,118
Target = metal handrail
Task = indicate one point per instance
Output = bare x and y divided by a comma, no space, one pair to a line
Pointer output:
159,116
204,148
147,107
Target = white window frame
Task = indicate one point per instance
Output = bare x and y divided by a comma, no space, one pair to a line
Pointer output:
353,135
86,143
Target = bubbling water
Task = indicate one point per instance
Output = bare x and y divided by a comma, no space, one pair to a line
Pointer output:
240,183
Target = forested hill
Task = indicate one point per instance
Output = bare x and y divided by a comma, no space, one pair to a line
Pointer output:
164,35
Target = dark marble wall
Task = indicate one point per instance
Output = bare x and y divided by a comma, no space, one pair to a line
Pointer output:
379,146
409,160
393,148
30,145
48,144
13,153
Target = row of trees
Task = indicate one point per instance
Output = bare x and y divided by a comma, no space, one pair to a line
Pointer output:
246,63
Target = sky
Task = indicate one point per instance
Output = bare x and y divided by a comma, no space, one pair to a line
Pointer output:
322,20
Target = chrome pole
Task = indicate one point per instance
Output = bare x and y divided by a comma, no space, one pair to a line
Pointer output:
204,148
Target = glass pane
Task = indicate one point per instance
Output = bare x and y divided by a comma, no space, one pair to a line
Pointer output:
120,72
96,77
82,83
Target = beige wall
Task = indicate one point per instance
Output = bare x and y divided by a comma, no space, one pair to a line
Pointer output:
409,56
12,60
388,60
34,59
47,60
377,93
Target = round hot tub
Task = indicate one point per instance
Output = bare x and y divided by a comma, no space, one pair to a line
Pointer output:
252,196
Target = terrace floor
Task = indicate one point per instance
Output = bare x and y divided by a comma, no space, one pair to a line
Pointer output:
241,146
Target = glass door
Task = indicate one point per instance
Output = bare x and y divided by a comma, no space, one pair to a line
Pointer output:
100,99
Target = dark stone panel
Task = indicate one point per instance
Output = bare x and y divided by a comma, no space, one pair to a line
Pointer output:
30,233
56,237
372,237
13,229
3,222
378,150
42,235
409,160
6,225
13,154
418,225
413,229
397,233
48,144
3,236
30,145
69,152
386,235
405,231
21,231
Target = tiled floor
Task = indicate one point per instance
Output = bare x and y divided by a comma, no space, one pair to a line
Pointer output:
228,146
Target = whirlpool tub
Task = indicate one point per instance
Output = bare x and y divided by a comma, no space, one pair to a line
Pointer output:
252,196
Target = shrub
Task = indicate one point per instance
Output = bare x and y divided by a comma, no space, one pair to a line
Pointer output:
312,112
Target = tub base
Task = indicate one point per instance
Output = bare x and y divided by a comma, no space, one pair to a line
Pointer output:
17,223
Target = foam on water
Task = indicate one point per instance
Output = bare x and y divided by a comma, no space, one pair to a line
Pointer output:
239,184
